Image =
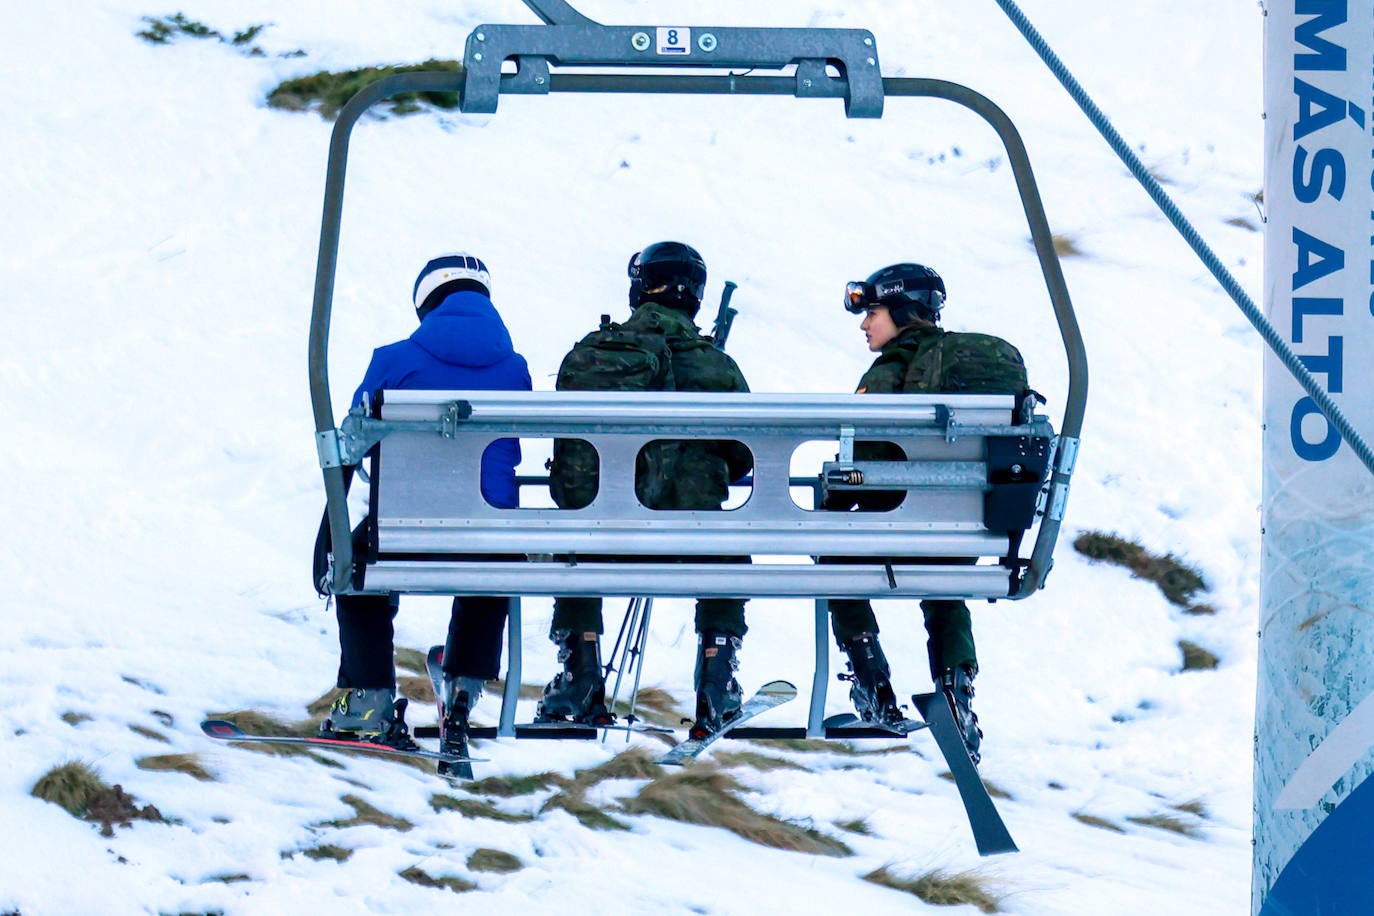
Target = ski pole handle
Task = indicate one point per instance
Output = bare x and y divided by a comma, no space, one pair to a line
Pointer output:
725,316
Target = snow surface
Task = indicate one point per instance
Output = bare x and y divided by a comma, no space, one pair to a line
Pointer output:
157,253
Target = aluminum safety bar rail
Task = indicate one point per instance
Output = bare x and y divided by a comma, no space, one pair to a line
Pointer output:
435,533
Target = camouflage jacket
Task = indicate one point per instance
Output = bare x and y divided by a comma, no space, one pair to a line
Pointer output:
669,474
929,359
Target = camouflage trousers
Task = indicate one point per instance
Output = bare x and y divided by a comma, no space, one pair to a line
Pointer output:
583,615
949,627
949,630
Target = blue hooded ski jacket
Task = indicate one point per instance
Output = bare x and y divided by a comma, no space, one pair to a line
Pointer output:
461,344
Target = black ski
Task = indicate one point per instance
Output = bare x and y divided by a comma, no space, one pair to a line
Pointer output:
772,694
224,730
989,833
453,736
898,729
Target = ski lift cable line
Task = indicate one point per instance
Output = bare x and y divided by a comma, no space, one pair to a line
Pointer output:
1229,283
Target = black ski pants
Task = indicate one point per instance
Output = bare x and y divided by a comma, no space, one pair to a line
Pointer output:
367,638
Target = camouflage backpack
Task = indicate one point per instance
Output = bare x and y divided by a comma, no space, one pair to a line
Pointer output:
967,363
652,351
633,356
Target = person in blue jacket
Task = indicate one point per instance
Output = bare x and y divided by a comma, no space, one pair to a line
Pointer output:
461,343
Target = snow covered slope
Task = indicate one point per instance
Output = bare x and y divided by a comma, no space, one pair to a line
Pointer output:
157,254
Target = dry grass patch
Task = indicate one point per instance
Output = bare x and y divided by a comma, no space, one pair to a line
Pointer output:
494,860
328,92
587,814
327,851
78,789
940,888
1197,807
1066,247
71,717
857,825
416,689
761,762
706,796
1178,581
365,814
653,705
149,733
511,786
175,763
1196,658
1168,822
1092,820
993,788
413,660
417,875
473,807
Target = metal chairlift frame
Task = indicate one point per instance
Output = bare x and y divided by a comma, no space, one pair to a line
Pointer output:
812,63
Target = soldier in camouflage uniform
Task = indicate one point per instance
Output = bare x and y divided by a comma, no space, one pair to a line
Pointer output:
659,348
901,305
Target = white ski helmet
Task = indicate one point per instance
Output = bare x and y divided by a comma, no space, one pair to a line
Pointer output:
443,274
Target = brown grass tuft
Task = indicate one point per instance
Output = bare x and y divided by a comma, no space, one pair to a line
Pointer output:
473,807
1092,820
175,763
494,860
1178,581
1167,822
1196,658
150,733
511,786
416,875
328,851
365,814
939,888
78,789
1066,247
761,762
707,796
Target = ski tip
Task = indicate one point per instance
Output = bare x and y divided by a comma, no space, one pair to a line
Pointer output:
220,728
779,688
435,656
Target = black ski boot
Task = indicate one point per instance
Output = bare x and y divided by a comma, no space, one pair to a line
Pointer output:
718,693
460,696
870,680
957,686
579,692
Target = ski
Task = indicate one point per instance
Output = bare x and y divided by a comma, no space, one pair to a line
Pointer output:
989,833
224,730
898,729
772,694
451,740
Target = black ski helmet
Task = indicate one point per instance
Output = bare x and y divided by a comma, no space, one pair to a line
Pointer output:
671,273
907,291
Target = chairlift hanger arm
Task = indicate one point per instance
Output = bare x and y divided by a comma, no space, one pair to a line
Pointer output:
853,52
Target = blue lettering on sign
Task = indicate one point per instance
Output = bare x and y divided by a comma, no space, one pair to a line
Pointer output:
1307,185
1326,55
1316,171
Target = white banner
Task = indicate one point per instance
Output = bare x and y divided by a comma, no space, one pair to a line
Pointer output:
1314,742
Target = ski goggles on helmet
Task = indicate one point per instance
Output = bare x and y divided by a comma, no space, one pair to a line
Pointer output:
860,296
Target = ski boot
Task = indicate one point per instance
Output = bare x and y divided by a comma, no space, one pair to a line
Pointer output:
718,693
957,686
579,691
459,696
870,680
371,714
